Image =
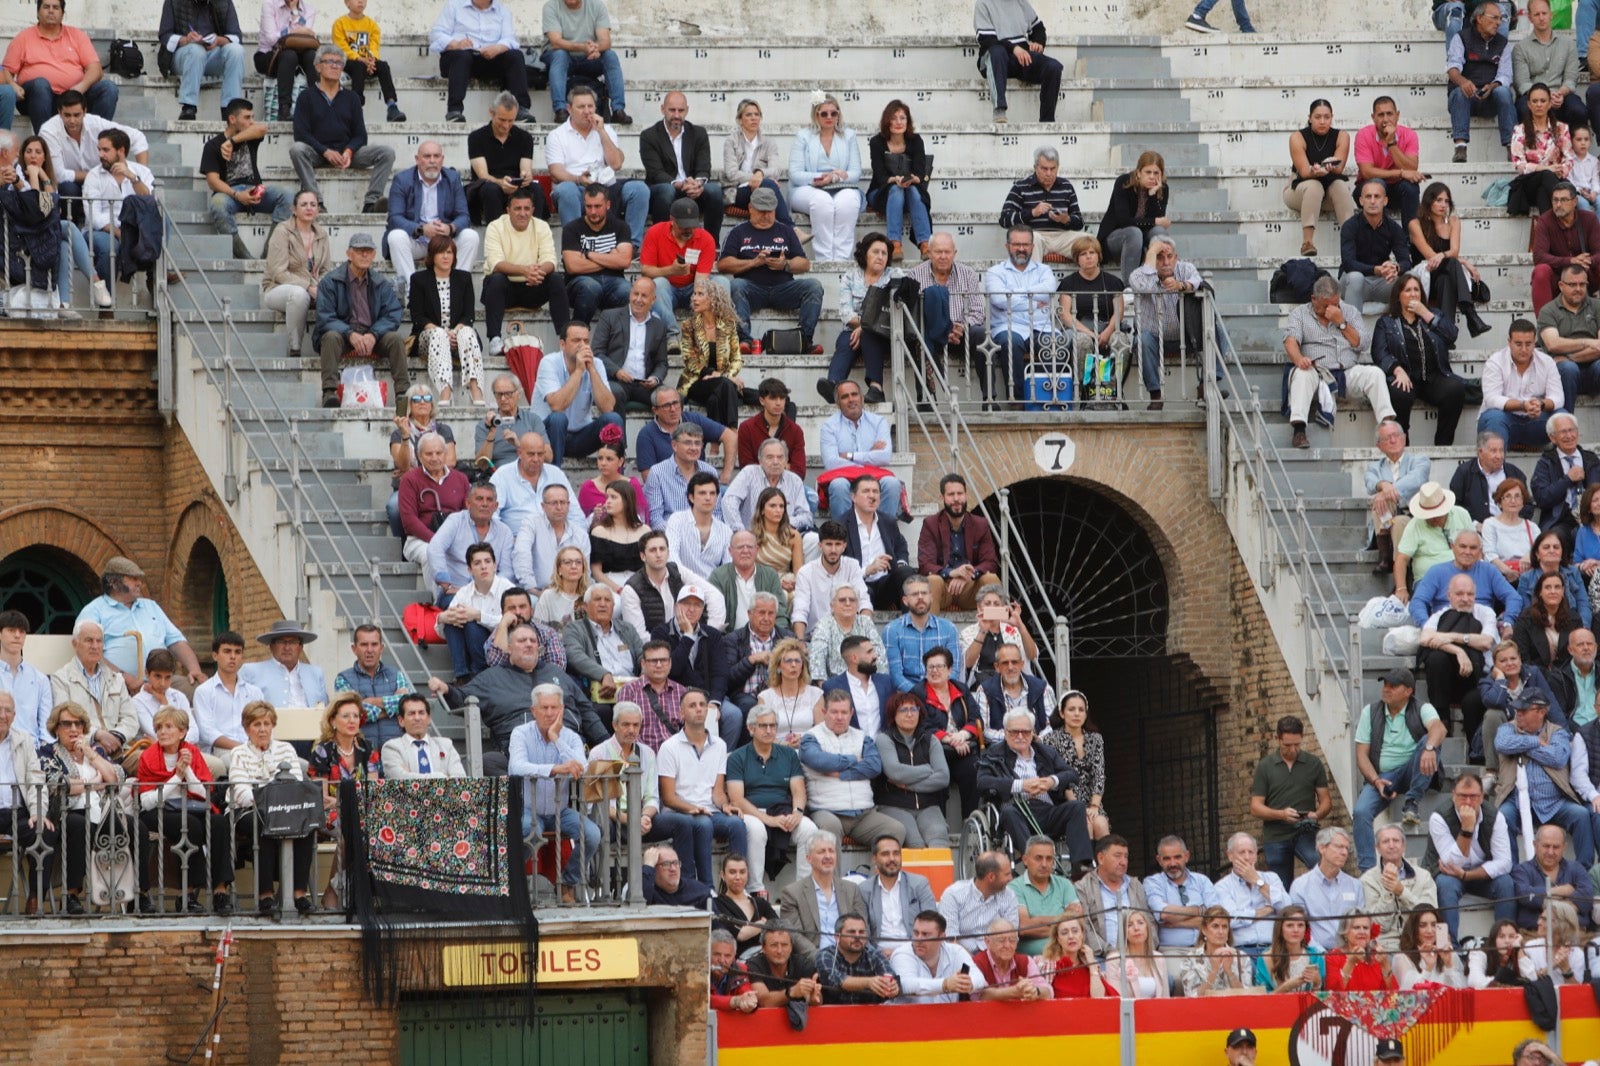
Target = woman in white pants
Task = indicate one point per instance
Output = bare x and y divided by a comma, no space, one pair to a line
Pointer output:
442,309
297,257
825,178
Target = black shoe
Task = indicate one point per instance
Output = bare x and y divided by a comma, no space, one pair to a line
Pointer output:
1299,438
1476,326
148,905
74,904
874,394
455,116
266,905
620,117
330,400
561,115
1460,154
525,115
825,389
380,206
395,114
303,904
191,903
187,113
221,903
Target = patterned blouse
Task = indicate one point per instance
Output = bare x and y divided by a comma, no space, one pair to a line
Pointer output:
326,765
853,289
826,658
1551,147
702,354
1091,768
443,285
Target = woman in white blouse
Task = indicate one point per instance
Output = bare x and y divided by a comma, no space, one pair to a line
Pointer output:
1507,536
1557,950
1503,956
750,161
825,179
1426,957
254,763
790,693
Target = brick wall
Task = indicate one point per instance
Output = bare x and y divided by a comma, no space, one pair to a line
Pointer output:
91,469
293,996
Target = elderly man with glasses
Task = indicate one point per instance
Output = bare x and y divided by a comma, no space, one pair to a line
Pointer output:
1034,788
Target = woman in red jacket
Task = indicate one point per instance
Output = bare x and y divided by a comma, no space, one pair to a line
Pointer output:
1357,965
176,803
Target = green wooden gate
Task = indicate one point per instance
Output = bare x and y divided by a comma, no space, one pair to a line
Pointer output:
606,1028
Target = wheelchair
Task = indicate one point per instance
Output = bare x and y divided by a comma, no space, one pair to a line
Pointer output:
983,830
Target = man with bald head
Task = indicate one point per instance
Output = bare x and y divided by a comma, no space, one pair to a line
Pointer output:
1574,684
521,484
1456,640
952,300
427,201
677,163
739,580
632,342
1490,587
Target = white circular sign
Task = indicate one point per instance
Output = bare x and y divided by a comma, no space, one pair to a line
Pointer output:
1054,453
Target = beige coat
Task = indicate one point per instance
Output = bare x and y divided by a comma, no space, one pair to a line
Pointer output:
114,711
286,257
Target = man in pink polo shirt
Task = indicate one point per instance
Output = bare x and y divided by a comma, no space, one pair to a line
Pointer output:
1389,151
47,59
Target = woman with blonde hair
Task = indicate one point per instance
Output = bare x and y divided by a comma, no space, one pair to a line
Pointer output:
824,178
1139,971
177,802
568,582
711,357
1069,964
342,753
1557,947
790,693
750,161
80,802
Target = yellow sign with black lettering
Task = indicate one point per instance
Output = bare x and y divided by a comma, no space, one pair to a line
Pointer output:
560,961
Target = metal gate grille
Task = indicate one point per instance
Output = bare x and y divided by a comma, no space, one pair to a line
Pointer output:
489,1029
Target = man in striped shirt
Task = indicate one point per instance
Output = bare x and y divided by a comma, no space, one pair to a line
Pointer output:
1047,204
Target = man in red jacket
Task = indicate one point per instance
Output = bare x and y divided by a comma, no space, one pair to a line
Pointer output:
956,551
1564,234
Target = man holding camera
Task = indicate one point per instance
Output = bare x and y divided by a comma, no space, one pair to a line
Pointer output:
1290,795
496,435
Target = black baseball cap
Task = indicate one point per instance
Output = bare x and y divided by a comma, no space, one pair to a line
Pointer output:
1241,1036
1389,1050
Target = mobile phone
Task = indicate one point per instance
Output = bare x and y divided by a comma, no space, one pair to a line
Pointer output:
965,969
995,614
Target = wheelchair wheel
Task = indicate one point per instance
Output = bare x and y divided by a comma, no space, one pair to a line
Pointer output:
978,833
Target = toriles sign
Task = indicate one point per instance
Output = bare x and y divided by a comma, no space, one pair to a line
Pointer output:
560,961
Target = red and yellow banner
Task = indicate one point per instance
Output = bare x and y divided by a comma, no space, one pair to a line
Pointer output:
1440,1029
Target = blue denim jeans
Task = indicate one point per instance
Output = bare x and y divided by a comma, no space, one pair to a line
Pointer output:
1450,16
572,825
1515,429
1409,781
40,101
1577,379
225,209
589,293
1280,854
1499,103
1451,889
632,201
670,299
704,827
803,295
895,202
576,442
562,65
1240,15
1573,817
466,647
192,63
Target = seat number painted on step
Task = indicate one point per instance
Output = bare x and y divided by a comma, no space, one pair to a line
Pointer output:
1054,453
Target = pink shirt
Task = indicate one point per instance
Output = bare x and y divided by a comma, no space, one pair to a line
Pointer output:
1374,154
62,61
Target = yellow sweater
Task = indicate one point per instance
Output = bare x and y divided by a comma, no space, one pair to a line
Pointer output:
502,242
359,38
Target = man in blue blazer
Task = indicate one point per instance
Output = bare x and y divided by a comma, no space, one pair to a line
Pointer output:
887,565
427,201
869,690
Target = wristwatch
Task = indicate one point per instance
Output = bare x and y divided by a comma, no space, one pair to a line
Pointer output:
1429,747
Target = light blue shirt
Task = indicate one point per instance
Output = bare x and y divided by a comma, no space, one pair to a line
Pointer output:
1243,900
840,435
520,500
807,158
827,915
119,622
273,680
1019,300
30,690
905,645
447,551
1329,899
1543,795
1161,892
460,18
1112,904
552,376
666,490
533,756
219,711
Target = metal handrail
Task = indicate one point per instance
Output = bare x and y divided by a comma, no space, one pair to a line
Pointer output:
1290,539
244,407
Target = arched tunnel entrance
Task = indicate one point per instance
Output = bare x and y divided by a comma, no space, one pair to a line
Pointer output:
1095,564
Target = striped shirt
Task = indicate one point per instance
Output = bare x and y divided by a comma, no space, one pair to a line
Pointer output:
1028,193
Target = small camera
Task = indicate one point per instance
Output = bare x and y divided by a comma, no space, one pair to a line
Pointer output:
501,420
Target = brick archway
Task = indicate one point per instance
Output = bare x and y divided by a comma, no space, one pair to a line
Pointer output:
200,527
63,528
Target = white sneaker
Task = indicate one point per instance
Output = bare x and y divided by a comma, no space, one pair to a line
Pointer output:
102,295
496,346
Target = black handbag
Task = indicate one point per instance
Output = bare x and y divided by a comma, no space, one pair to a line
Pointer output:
875,311
1480,291
126,61
782,342
289,807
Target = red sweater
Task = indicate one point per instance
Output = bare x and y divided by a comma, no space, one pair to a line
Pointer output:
753,431
153,772
1554,247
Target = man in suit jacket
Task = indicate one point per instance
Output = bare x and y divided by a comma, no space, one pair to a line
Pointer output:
632,342
676,155
412,223
801,903
911,893
1476,478
112,713
1023,771
286,679
887,565
869,690
1108,894
404,756
598,643
746,660
1563,471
